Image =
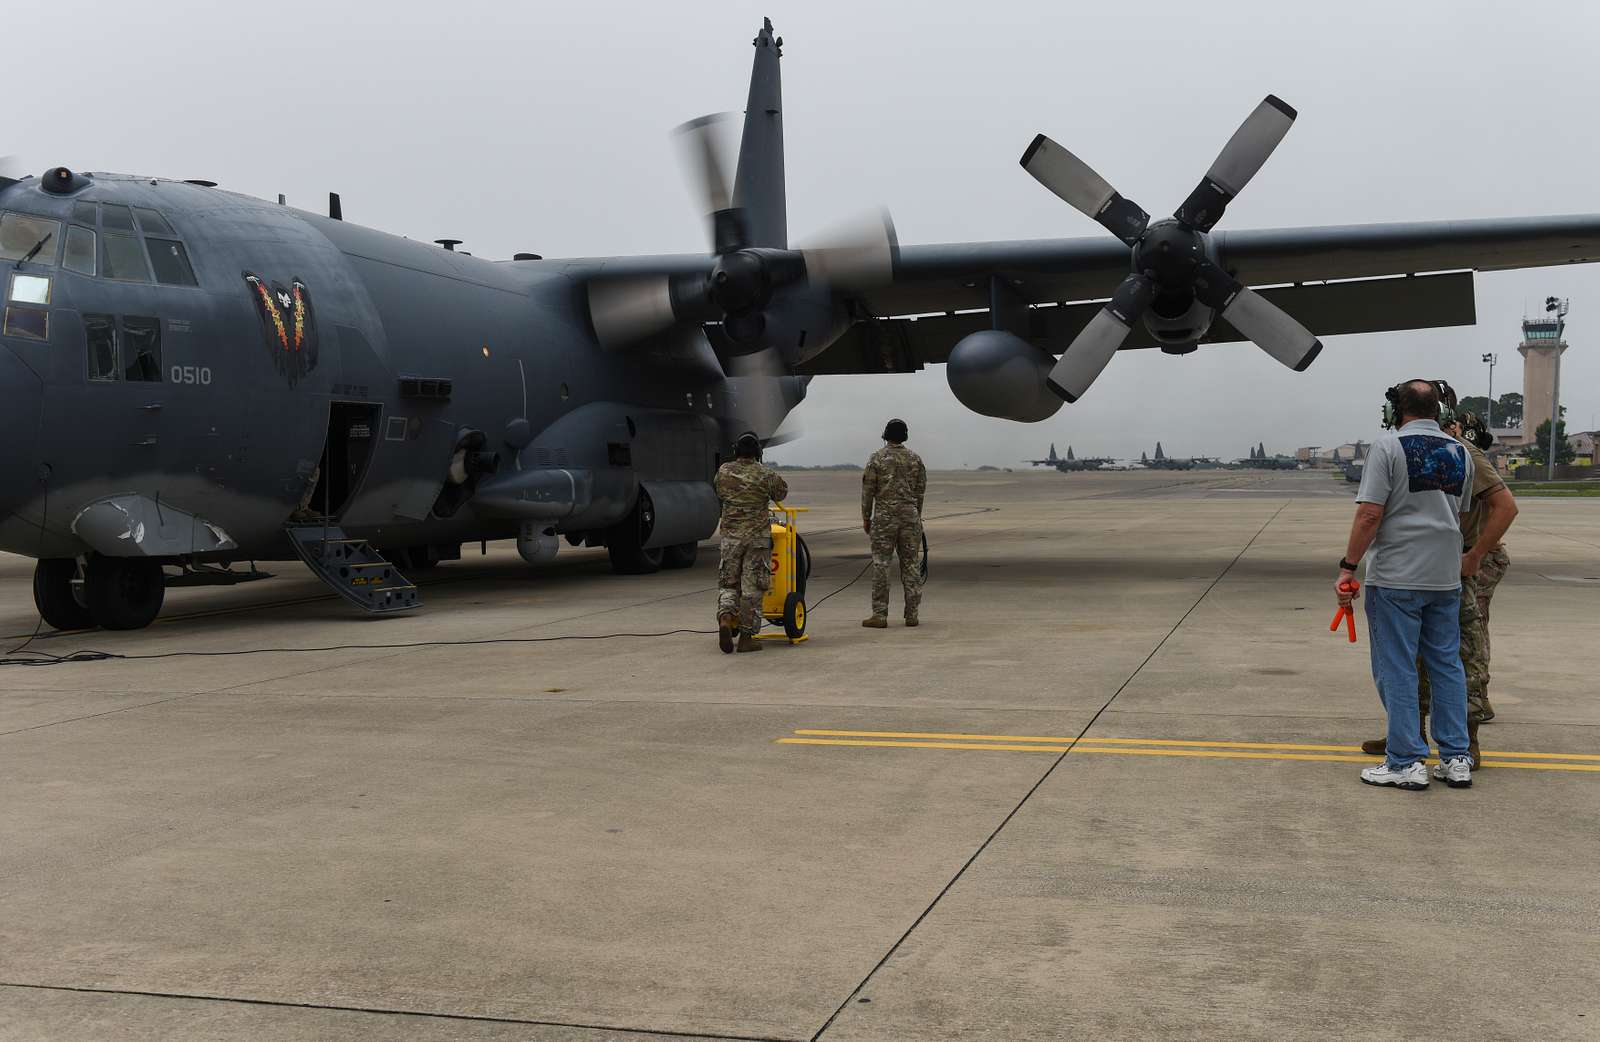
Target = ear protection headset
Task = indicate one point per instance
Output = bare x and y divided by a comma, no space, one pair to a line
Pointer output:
1391,403
748,444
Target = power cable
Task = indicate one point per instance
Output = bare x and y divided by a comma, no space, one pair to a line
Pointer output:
41,658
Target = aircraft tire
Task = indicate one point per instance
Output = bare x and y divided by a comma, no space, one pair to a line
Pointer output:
124,593
53,595
680,556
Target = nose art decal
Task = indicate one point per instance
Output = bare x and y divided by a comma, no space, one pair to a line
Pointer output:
288,324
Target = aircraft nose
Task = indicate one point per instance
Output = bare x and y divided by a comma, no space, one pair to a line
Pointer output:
20,394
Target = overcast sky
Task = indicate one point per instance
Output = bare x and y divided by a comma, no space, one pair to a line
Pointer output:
543,127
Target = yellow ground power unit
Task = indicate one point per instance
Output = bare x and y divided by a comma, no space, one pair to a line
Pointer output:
785,602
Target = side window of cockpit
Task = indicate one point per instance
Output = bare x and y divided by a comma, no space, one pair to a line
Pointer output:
101,333
125,349
79,255
36,238
141,348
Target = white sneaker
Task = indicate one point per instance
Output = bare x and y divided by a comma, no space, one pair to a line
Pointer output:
1455,772
1413,777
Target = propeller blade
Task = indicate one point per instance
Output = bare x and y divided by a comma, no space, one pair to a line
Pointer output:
1075,182
627,309
1091,350
756,381
857,254
1269,326
1244,154
1273,329
704,145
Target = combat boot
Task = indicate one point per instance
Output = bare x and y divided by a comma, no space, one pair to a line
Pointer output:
1380,746
748,642
875,622
911,620
1472,741
727,626
1487,713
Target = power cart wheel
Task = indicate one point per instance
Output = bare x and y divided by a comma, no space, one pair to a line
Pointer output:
794,616
60,601
802,570
124,593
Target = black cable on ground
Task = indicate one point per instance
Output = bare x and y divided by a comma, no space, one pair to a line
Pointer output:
42,658
1038,784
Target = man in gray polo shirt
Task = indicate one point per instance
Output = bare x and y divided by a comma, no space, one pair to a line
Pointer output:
1414,489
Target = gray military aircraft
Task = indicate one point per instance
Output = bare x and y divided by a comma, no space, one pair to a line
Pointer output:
194,379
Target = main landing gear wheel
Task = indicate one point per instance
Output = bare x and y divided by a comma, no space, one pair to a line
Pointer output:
794,616
625,541
124,593
681,556
60,602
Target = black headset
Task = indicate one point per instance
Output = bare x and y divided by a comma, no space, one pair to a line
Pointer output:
747,444
1391,403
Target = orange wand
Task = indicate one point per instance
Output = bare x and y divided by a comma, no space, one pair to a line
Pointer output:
1346,612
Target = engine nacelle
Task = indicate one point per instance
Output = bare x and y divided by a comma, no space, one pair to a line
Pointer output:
1177,323
999,374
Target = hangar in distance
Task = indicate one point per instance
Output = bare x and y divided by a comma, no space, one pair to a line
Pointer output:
195,379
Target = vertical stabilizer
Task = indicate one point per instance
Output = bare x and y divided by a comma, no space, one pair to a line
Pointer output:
758,186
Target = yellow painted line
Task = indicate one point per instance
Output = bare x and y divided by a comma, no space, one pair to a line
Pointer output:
1174,742
1221,754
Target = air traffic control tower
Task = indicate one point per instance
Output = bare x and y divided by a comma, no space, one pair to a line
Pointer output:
1542,344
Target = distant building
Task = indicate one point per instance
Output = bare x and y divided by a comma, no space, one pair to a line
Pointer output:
1542,344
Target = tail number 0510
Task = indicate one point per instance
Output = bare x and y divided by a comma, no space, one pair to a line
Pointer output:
191,374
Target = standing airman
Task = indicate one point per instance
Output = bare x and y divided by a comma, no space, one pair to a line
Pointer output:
892,490
747,488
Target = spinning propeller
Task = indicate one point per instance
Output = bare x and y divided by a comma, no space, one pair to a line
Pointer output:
744,280
1173,262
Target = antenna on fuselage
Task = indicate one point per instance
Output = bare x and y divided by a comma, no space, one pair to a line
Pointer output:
335,207
282,200
449,244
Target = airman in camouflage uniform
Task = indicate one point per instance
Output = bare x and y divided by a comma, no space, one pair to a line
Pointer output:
1476,589
746,488
892,488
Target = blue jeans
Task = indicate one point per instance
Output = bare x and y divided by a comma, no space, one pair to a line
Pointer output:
1401,624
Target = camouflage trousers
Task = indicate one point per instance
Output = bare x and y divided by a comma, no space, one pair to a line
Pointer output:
744,575
897,534
1476,593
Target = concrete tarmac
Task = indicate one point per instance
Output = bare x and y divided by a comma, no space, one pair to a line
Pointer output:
1107,790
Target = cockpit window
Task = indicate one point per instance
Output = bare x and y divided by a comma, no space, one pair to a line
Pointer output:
171,262
129,349
79,256
84,213
141,348
116,218
36,238
151,222
101,333
122,257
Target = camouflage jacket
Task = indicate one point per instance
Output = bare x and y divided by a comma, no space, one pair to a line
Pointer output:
893,480
745,487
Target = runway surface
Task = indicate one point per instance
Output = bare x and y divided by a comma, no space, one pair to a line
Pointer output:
1107,790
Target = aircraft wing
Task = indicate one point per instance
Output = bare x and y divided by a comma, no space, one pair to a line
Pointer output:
1348,279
